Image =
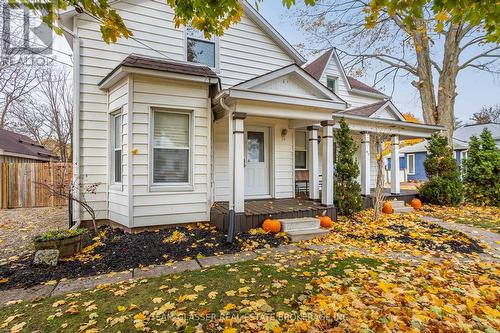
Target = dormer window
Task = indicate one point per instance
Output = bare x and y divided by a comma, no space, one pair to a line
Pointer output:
199,49
331,83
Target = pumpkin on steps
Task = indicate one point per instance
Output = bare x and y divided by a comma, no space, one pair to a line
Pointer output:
387,208
325,222
272,226
416,203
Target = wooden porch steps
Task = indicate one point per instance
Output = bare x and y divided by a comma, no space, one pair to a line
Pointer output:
302,228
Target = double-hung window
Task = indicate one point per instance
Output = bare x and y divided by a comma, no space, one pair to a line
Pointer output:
117,147
300,150
171,147
410,159
199,49
331,83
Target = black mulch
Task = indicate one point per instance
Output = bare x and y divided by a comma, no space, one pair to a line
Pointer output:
121,251
461,243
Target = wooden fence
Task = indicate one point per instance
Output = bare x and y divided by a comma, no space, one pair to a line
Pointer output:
27,185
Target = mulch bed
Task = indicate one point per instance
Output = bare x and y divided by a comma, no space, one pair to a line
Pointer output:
121,251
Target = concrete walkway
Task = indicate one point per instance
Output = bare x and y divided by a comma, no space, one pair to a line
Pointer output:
78,284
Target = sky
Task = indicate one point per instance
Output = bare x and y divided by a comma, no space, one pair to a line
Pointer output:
474,88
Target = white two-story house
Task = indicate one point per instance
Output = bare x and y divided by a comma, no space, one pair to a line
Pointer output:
177,128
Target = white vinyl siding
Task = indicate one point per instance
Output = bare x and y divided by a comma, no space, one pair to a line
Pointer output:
117,194
245,52
281,154
332,70
159,205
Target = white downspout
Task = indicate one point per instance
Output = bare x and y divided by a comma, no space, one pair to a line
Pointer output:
76,119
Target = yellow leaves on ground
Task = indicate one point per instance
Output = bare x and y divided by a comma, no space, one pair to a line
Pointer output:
4,280
212,294
18,327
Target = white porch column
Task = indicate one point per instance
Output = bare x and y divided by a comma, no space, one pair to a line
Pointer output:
313,162
395,174
327,170
238,133
365,163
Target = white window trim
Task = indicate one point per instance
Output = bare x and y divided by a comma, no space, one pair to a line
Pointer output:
171,187
408,163
114,185
216,41
305,149
463,155
336,78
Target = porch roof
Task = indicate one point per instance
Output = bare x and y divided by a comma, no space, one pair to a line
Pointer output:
387,126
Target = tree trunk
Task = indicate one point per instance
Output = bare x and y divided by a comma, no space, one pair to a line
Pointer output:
447,80
425,84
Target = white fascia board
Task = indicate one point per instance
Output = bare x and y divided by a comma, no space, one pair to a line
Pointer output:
392,108
407,129
272,32
340,66
285,99
285,71
123,71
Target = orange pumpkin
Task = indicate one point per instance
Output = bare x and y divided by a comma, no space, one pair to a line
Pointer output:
416,203
325,222
387,208
272,226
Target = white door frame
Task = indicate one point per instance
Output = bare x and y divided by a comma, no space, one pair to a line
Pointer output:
267,157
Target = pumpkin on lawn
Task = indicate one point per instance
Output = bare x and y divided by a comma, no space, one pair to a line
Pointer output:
416,203
272,226
325,221
387,208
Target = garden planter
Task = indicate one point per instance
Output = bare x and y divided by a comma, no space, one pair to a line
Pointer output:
66,246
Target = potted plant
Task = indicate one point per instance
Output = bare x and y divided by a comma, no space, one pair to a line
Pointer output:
68,241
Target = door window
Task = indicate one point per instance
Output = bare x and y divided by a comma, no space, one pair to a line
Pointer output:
255,147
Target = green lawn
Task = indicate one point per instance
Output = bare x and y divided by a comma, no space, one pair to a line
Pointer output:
252,286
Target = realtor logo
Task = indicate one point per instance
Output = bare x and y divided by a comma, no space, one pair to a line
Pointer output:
24,33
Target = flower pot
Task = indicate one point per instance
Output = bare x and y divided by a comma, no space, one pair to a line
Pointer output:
66,246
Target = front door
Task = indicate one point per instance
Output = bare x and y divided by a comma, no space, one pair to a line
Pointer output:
257,162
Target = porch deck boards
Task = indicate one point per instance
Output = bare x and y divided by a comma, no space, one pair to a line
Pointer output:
257,211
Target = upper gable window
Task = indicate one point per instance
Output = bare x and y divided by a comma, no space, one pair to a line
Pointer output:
199,49
331,83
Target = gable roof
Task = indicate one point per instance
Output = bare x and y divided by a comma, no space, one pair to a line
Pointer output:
318,66
356,84
372,110
12,143
366,110
292,68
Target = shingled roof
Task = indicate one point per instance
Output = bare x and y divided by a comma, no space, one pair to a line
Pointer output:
15,143
317,67
163,65
366,110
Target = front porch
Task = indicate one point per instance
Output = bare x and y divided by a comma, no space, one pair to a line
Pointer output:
257,211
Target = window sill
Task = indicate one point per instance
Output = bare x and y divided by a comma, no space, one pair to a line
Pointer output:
171,188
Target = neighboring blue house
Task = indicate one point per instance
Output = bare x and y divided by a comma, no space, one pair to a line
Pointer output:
412,157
